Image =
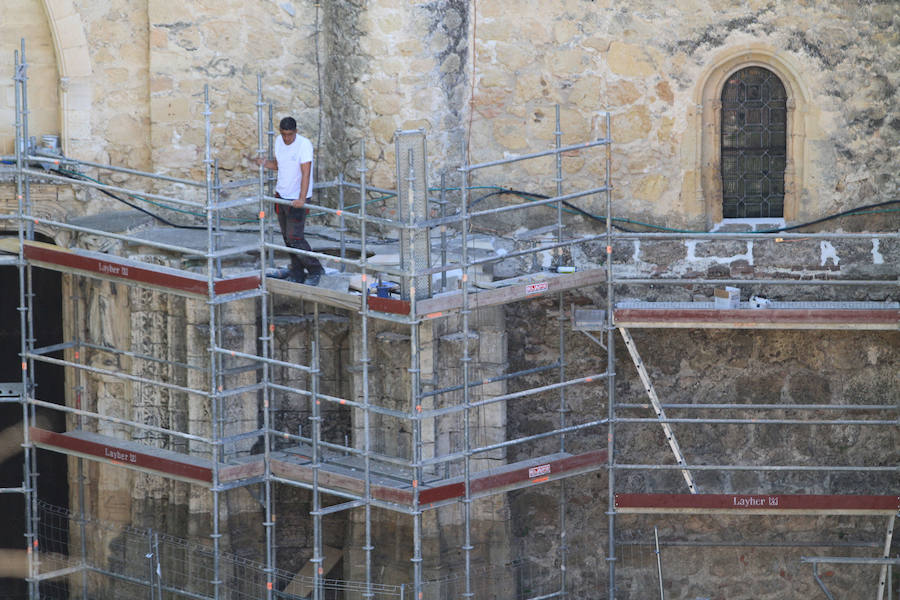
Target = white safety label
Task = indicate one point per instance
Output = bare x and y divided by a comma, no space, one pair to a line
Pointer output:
538,471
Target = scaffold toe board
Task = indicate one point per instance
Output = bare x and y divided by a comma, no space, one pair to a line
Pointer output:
776,315
123,270
514,476
141,457
504,292
396,486
758,504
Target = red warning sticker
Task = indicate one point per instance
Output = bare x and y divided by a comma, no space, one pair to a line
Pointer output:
537,288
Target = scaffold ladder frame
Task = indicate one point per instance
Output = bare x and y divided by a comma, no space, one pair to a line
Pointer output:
657,407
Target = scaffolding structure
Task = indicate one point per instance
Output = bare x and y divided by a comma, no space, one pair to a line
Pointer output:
359,474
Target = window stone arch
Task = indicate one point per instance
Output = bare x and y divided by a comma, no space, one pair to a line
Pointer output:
704,164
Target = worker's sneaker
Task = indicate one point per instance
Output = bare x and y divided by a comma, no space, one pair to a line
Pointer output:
297,278
313,278
282,273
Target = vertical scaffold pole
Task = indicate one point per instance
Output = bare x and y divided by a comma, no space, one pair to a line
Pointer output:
885,574
611,371
316,419
29,472
79,425
662,594
267,347
467,442
342,221
415,409
560,320
364,359
215,407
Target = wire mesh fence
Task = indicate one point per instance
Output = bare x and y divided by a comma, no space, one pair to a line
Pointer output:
130,562
126,562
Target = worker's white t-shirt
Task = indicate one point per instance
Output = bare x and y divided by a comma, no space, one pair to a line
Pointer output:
289,159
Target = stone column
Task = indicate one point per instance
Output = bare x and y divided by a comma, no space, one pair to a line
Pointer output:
441,351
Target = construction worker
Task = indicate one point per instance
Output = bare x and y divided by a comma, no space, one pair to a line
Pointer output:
293,161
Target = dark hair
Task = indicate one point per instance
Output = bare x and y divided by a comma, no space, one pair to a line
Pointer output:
288,124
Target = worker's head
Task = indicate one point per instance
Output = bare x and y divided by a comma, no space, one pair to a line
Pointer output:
288,129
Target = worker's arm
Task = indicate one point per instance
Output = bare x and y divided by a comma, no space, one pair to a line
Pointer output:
268,163
304,185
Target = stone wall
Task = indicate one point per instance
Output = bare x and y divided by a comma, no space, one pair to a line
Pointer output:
647,62
440,366
468,73
751,556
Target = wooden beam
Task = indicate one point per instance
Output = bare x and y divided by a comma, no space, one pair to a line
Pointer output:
322,295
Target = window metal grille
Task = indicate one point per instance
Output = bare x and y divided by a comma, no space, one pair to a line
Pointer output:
754,125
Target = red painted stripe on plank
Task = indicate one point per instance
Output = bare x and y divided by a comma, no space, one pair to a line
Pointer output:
389,305
750,502
120,455
236,284
187,283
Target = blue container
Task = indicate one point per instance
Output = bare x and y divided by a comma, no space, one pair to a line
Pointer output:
383,290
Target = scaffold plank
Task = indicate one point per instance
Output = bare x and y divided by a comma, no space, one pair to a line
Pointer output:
515,476
544,284
322,295
123,270
134,455
761,504
389,487
442,304
782,316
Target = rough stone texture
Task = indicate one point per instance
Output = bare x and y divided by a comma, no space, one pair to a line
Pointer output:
708,367
440,363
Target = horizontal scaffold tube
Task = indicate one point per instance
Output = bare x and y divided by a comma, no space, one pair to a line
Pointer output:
116,374
75,161
867,407
673,281
436,412
521,157
751,236
637,467
114,236
893,422
111,188
119,421
446,458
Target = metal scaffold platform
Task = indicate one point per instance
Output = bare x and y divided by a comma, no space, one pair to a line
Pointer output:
437,280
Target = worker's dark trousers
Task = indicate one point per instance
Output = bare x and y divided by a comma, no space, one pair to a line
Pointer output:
293,221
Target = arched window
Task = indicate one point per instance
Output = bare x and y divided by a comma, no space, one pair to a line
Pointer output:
754,144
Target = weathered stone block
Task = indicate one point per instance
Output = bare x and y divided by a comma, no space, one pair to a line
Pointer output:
632,125
629,60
